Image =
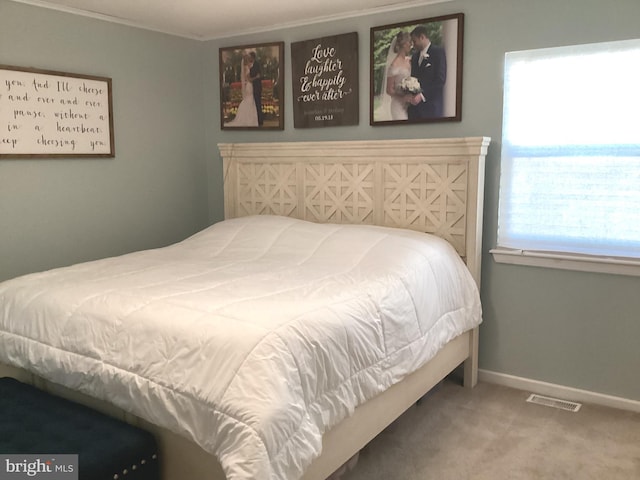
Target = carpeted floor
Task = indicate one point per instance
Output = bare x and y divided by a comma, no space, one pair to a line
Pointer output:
492,433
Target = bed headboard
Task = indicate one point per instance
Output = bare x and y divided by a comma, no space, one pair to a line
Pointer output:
431,185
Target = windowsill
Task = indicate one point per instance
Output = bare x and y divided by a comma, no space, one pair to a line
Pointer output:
568,261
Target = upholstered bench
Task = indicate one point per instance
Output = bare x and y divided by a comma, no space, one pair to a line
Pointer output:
35,422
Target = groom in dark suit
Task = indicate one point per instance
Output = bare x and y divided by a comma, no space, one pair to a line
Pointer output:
255,75
429,66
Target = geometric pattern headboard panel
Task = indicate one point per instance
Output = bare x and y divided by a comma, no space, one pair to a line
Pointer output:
430,185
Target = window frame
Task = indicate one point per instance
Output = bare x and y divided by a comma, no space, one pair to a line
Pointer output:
521,255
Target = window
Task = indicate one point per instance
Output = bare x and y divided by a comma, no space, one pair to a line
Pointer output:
570,178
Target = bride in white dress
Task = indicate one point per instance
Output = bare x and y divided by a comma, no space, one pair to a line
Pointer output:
394,103
247,114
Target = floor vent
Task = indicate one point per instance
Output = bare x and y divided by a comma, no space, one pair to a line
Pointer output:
554,402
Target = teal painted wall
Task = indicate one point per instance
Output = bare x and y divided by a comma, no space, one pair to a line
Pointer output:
575,329
56,212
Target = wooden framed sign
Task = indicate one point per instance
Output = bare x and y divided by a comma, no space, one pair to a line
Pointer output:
44,113
325,81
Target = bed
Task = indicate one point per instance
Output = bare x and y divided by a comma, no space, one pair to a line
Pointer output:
285,204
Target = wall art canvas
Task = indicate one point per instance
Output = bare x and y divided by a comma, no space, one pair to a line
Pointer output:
416,71
251,87
325,81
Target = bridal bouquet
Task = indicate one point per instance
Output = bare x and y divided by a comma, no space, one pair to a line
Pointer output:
410,85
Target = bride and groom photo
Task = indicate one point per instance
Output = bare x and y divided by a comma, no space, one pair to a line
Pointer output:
415,75
250,86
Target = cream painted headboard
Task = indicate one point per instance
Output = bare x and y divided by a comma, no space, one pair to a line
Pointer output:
431,185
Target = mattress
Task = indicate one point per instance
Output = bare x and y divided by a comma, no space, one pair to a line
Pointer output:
252,337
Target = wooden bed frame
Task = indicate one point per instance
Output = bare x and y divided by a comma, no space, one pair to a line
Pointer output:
430,185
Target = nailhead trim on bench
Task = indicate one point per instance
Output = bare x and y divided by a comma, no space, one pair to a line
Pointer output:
133,467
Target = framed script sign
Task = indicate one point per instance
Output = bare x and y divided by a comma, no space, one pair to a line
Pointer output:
325,81
416,71
54,114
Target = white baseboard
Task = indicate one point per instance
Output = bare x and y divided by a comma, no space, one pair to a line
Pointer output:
558,391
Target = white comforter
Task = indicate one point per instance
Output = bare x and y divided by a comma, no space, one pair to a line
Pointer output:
251,338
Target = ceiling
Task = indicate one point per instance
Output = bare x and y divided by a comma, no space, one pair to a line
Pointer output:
209,19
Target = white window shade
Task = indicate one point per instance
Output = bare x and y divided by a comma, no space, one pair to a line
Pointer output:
570,179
